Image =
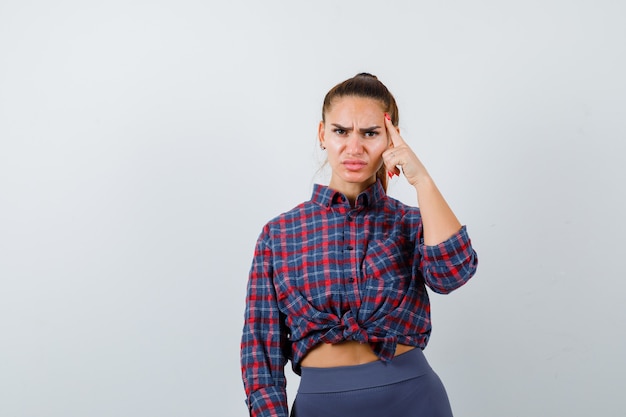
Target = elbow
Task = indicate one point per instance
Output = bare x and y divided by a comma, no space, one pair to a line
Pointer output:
445,280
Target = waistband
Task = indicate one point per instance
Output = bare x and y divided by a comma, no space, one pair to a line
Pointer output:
405,366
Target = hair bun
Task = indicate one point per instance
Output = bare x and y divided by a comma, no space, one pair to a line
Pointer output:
367,74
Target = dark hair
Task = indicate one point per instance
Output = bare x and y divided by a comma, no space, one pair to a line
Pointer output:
368,86
363,85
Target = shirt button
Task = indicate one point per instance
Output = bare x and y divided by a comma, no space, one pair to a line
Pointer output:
349,248
351,280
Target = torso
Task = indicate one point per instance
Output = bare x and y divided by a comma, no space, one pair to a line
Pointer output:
348,353
347,273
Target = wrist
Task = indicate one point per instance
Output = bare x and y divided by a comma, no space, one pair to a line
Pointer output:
421,182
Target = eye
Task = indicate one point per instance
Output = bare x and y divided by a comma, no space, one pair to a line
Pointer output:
339,131
371,134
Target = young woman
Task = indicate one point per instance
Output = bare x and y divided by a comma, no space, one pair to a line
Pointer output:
338,283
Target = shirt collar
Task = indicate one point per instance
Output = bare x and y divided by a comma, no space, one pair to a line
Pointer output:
327,197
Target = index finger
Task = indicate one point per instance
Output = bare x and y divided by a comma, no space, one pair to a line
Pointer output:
392,131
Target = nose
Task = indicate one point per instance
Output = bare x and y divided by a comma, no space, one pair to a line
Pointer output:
354,145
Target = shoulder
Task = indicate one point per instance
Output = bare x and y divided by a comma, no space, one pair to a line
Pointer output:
290,219
402,210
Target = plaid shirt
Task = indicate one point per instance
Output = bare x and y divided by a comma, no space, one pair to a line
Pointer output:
327,272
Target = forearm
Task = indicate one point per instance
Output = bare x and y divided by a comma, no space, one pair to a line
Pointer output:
263,339
438,220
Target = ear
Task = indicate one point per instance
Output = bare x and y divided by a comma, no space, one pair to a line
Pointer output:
320,133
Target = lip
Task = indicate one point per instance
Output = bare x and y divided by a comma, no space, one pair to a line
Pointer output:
354,164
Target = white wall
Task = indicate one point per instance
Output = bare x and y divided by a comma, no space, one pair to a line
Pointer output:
143,145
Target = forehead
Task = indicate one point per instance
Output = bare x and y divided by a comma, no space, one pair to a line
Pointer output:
350,106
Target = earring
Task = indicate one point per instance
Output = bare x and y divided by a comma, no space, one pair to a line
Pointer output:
322,147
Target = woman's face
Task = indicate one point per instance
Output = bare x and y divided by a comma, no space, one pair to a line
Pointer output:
355,138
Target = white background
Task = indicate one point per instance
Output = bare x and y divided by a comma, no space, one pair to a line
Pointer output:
143,145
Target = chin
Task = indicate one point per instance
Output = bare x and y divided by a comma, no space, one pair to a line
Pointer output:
360,179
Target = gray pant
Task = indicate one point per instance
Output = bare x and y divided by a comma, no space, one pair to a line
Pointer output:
405,387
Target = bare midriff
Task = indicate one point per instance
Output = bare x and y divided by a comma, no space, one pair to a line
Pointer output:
348,353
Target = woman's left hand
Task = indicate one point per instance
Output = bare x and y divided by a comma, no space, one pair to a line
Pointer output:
401,155
439,222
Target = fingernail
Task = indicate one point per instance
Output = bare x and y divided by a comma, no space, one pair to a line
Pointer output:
387,116
390,174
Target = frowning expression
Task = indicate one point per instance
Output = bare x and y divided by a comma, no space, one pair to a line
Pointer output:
355,138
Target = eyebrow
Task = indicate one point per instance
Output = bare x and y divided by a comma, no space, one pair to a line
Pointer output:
362,130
